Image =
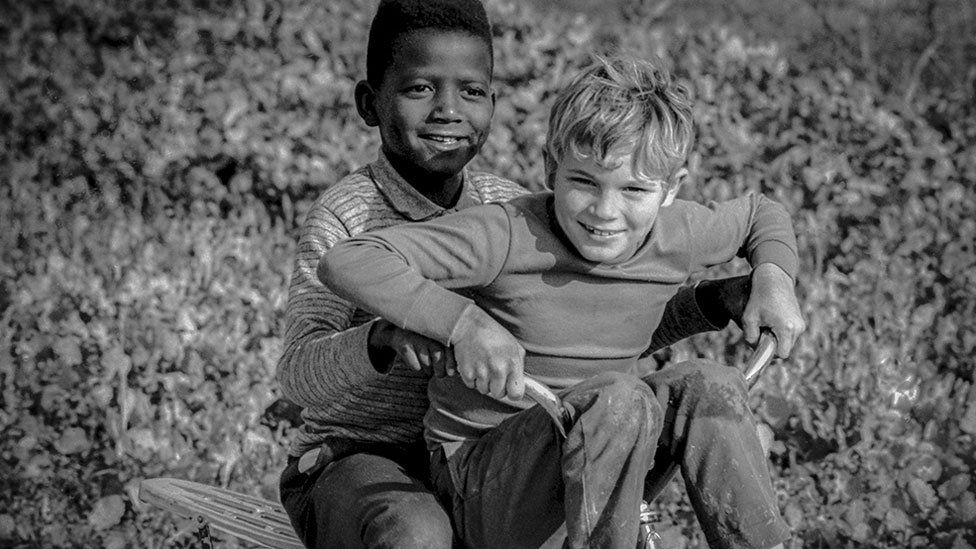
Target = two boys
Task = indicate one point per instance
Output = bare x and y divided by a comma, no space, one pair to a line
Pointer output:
355,478
570,285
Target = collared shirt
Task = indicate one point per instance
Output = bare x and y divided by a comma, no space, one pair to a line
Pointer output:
410,203
325,367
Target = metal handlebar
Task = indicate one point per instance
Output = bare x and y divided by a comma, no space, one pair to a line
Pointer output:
754,367
761,357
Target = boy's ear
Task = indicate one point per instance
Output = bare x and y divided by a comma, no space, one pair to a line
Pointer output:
366,103
678,180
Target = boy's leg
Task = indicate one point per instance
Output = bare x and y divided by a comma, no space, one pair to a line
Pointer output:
515,485
711,433
364,500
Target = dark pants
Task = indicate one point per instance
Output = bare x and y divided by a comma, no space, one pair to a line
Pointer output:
515,485
373,499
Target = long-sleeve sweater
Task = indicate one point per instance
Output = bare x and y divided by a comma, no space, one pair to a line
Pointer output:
325,367
573,317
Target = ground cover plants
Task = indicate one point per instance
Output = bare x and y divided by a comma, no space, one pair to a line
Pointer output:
158,157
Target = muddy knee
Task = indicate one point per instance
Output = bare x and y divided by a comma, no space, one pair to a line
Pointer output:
619,402
711,389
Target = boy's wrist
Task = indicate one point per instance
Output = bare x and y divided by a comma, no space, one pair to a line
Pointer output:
769,271
381,355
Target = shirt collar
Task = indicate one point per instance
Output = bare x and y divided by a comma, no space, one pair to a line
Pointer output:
408,201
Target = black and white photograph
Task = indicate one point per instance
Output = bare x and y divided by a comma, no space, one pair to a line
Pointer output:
488,274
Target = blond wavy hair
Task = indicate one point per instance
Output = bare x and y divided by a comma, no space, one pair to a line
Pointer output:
623,105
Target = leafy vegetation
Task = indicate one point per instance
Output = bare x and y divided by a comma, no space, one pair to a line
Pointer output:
159,156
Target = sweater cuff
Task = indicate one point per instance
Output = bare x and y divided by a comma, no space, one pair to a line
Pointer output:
682,318
707,319
778,253
689,314
436,312
356,352
381,360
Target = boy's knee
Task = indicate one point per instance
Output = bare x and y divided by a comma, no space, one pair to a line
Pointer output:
621,402
409,523
713,389
711,374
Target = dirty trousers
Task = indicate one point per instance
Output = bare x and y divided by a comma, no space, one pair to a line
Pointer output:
371,498
514,486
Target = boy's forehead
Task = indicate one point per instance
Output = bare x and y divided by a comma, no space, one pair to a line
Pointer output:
436,50
622,159
625,155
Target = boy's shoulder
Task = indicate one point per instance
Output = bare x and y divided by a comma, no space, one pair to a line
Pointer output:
355,185
354,197
530,209
359,203
494,188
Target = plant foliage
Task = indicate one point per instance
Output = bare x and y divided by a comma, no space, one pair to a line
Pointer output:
158,157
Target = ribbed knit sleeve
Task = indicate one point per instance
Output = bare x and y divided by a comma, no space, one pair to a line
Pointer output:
405,273
682,318
323,358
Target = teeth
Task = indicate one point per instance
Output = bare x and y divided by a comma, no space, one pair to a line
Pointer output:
599,232
443,138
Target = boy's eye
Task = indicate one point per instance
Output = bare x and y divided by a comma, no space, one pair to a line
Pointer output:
475,91
418,89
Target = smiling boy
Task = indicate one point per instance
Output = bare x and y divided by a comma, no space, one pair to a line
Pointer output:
568,286
357,472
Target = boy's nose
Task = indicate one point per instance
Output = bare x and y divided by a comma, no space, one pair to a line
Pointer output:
446,108
604,206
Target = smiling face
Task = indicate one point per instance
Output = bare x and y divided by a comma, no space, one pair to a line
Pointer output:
606,211
433,106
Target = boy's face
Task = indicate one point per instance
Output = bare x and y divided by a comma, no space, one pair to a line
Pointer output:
606,213
434,105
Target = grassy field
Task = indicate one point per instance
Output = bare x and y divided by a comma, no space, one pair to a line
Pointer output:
158,158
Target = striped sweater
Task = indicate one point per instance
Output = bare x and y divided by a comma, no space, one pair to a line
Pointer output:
325,367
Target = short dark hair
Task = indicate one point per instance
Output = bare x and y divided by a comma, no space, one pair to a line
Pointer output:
395,18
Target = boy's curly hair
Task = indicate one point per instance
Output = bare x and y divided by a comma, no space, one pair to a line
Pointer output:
621,105
394,18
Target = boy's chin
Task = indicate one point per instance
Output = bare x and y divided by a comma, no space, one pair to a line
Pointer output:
599,255
446,165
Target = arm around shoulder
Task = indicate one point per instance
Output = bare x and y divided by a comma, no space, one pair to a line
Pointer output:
405,274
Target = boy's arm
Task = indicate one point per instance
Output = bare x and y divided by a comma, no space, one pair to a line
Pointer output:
704,307
760,230
323,358
405,274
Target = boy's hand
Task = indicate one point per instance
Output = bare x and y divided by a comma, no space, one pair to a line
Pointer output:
772,303
416,351
489,358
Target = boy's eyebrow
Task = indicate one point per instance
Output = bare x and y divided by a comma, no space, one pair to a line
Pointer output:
580,172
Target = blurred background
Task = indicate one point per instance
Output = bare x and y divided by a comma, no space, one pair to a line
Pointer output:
159,156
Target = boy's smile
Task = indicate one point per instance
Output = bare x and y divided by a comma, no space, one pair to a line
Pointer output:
433,106
606,213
